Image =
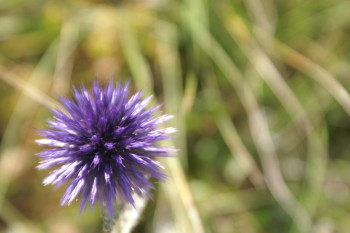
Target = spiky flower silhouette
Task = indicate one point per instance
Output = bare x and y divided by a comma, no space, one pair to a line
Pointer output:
104,146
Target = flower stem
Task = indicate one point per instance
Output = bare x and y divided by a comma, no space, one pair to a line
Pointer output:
127,218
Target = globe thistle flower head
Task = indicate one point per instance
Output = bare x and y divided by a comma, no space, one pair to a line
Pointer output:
103,146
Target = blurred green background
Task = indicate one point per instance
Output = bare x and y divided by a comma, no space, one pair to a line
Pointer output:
258,89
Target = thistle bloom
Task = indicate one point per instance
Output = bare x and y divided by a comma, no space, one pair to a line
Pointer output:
104,146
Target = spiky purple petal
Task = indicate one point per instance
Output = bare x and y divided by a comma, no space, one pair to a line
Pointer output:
104,146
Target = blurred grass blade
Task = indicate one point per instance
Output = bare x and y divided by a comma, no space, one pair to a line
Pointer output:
183,189
315,171
170,71
64,65
258,124
267,70
263,140
28,89
190,92
237,148
231,137
138,66
261,19
25,107
307,66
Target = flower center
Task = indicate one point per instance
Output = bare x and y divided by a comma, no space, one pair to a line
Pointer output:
100,145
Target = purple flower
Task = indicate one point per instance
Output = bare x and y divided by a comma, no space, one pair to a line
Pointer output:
103,146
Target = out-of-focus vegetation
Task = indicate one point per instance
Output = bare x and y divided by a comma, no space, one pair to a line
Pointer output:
258,89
